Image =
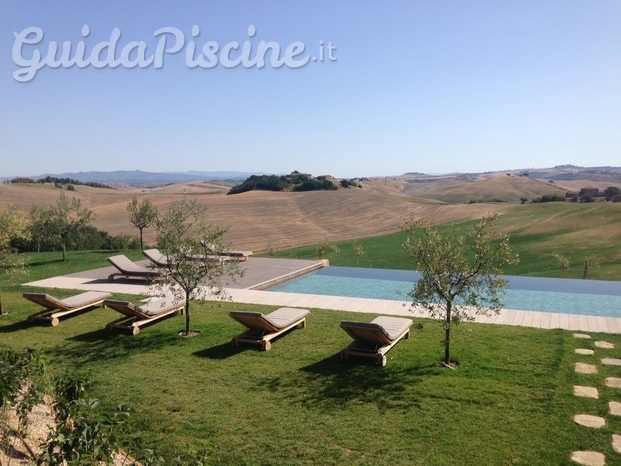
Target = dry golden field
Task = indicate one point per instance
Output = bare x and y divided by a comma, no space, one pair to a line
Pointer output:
259,219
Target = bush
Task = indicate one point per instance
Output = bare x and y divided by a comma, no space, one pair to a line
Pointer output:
549,198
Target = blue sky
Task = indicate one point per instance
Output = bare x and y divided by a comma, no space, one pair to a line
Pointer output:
415,86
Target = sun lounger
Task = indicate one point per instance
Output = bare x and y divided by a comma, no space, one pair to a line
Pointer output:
135,317
55,308
160,260
126,268
375,339
156,257
232,253
264,328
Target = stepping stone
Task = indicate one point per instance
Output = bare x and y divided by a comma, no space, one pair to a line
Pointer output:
613,382
587,420
615,408
611,362
583,368
616,443
604,344
587,392
586,352
581,335
588,458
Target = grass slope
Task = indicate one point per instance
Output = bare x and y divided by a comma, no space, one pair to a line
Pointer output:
577,231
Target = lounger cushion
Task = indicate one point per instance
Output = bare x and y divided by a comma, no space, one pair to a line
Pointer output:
151,308
85,298
128,267
390,327
156,306
280,318
80,300
393,327
285,316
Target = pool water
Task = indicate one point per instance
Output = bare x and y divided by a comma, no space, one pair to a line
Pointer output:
568,296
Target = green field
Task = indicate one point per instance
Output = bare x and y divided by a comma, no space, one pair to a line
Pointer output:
510,403
579,232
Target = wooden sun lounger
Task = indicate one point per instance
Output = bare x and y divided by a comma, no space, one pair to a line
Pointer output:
375,339
55,308
264,328
135,317
160,260
156,257
232,253
128,269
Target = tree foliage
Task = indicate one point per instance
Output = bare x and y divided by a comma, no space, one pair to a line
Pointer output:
461,275
142,215
294,182
13,227
62,226
192,246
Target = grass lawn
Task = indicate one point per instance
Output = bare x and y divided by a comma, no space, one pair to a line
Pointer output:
511,401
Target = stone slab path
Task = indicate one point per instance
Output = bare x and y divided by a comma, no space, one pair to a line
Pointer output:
593,458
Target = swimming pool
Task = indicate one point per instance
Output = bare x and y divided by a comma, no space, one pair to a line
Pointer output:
569,296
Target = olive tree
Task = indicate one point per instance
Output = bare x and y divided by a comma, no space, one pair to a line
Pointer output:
62,226
142,215
12,227
191,244
460,271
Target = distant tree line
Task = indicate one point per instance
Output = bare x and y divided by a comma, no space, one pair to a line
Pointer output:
58,182
293,182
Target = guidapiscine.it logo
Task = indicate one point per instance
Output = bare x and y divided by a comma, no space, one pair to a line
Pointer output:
31,55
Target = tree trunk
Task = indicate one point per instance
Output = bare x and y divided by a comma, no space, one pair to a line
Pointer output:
187,315
141,246
447,335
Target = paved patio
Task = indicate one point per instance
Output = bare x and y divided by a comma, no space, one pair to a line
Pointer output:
262,272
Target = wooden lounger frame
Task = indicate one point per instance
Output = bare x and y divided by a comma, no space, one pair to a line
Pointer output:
263,334
369,342
133,318
54,308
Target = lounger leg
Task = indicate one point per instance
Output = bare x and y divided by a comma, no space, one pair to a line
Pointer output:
54,321
266,345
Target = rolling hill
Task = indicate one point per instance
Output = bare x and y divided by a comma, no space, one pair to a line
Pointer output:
261,219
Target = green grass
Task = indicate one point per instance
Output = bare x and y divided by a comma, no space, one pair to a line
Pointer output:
510,402
577,231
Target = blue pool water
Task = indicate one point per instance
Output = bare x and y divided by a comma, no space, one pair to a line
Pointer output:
587,297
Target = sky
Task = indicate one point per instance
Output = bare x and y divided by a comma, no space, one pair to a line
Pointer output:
346,88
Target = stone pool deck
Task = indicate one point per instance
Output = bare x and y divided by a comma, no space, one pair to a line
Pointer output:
262,272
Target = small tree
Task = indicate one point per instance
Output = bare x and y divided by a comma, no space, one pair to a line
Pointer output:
359,249
563,261
461,273
142,215
321,248
192,246
12,227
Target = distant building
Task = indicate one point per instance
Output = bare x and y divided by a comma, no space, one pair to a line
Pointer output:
595,192
325,178
616,198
